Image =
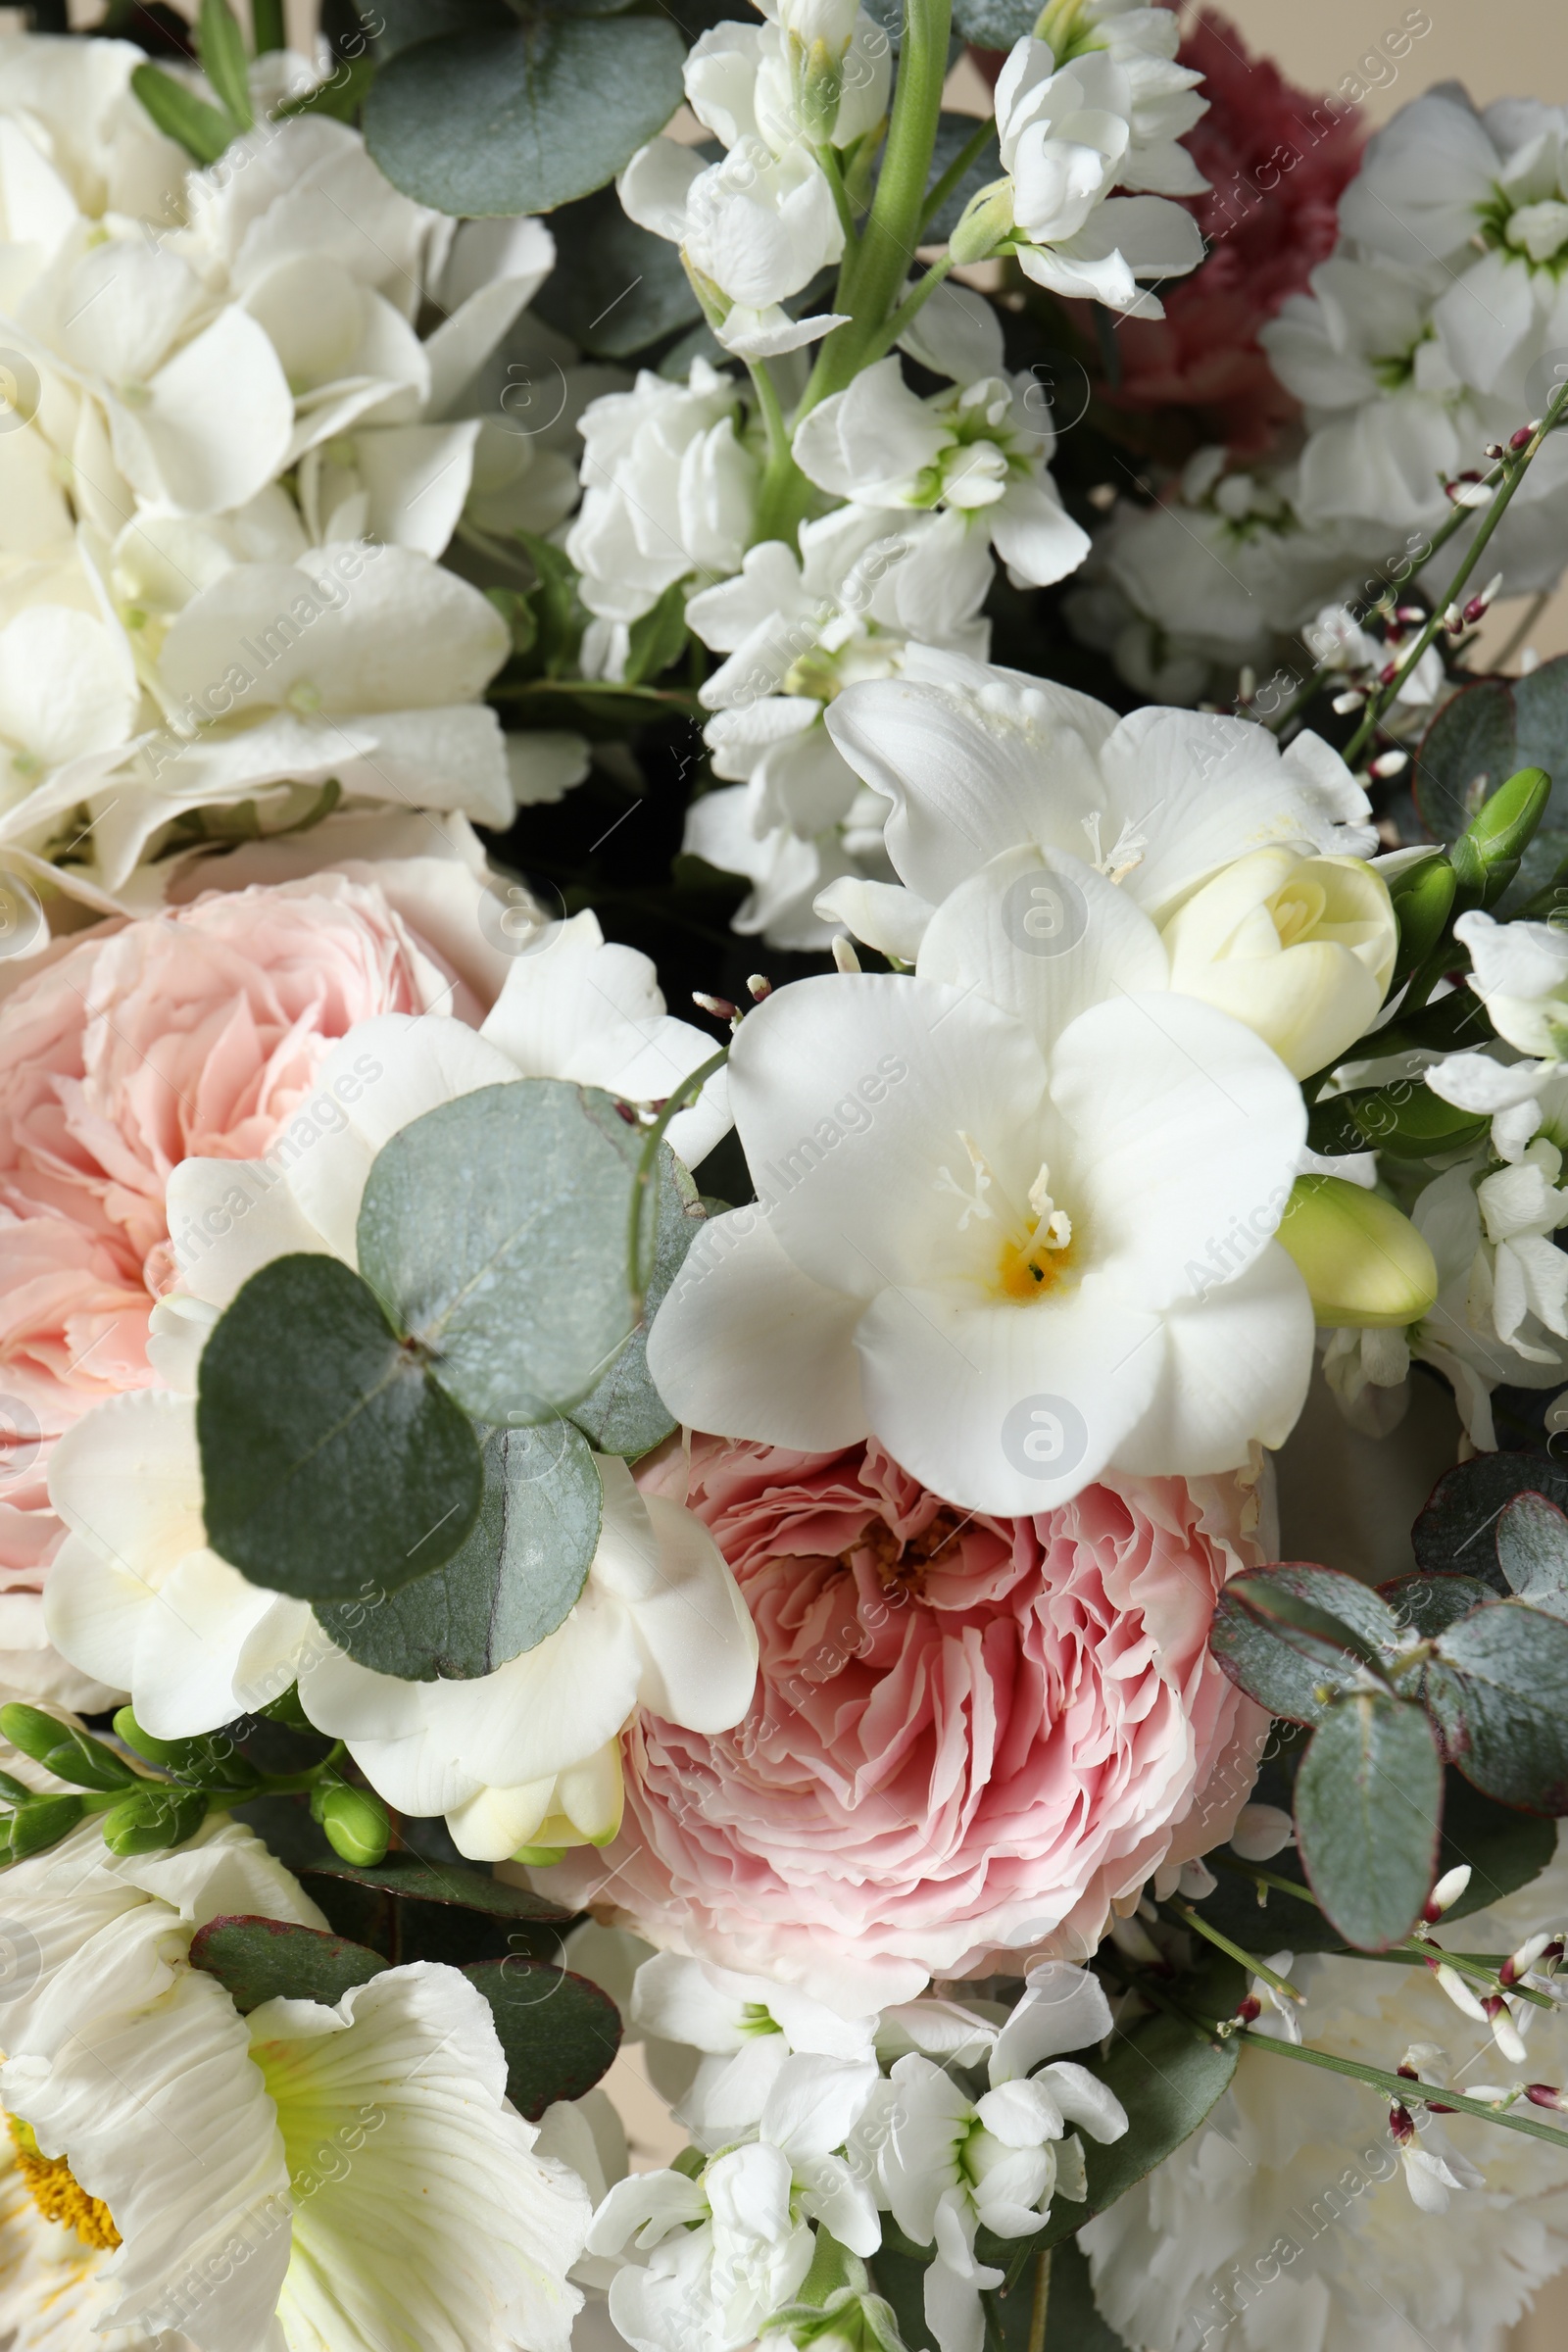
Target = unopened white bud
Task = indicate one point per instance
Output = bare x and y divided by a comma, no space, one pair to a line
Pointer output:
1461,1995
844,955
1447,1890
1262,1832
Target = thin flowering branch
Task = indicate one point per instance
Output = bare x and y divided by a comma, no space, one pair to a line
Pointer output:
1398,2087
1235,1951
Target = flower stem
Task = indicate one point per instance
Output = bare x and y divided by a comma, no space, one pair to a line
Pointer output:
969,153
645,1186
1235,1951
892,229
1512,471
1401,2087
912,302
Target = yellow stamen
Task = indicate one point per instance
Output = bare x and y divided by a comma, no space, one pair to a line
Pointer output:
57,2195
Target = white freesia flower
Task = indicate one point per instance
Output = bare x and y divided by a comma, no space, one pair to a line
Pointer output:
978,760
1095,104
976,451
301,2175
1300,948
670,488
1286,2218
749,2030
959,1248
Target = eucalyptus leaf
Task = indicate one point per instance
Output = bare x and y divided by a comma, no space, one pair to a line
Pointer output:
560,2033
1466,753
625,1413
257,1960
401,23
1369,1803
412,1880
1532,1552
1540,728
515,1580
1273,1669
332,1463
1455,1533
1292,1636
517,1287
1497,1686
616,287
1431,1603
522,117
994,23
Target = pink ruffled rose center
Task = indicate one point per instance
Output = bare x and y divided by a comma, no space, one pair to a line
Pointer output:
971,1738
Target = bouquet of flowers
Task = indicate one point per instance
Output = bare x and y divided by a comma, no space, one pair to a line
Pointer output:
953,544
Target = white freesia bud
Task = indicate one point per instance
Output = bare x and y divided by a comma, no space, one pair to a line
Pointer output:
1298,949
1521,975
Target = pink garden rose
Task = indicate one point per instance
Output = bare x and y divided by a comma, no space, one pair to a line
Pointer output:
132,1046
972,1738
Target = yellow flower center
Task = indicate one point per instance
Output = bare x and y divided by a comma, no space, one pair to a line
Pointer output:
57,2193
1298,910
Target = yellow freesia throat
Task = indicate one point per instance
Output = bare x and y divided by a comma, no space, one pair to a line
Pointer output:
57,2193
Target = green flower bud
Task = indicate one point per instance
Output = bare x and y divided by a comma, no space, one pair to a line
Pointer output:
987,223
215,1760
1406,1119
820,82
41,1822
154,1819
1488,853
1362,1261
70,1755
357,1824
1423,900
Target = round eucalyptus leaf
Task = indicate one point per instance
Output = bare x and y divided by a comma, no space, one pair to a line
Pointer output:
331,1461
515,1580
522,117
1368,1804
494,1231
625,1413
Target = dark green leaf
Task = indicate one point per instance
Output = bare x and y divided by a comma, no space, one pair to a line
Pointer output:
616,287
1073,2322
898,2272
1167,2076
513,1581
953,133
406,1876
1272,1669
994,23
494,1229
1506,1848
1406,1119
400,24
625,1413
1532,1552
1290,1636
1540,721
1322,1603
1498,1688
1468,750
560,2033
181,116
1430,1603
1457,1532
521,120
1368,1801
333,1464
221,46
659,638
558,614
267,25
257,1960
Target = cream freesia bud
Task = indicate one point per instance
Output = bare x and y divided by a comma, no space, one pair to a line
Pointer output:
1299,949
1362,1261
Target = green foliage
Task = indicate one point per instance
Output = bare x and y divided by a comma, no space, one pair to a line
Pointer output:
616,287
659,639
1487,855
257,1960
1456,1533
331,1459
221,46
1368,1797
517,1290
1423,900
519,116
512,1581
38,1822
1532,1540
994,23
1404,1119
1497,1686
201,129
560,2033
625,1413
214,1762
1488,732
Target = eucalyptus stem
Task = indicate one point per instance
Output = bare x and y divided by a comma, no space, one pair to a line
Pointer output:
645,1182
1512,471
892,232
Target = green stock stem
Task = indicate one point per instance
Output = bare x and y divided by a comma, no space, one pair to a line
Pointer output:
1512,471
644,1186
874,271
912,304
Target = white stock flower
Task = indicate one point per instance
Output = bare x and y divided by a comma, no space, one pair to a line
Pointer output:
1501,1310
1520,974
748,2028
1285,2219
1096,103
959,1248
74,100
976,452
978,760
305,2174
69,703
670,488
817,70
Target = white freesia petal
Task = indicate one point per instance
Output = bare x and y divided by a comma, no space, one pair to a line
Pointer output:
227,1218
126,1479
92,1612
1236,1367
189,1643
696,1635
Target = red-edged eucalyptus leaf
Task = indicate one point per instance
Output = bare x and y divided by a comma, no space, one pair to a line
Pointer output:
1430,1603
1321,1602
1368,1810
560,2033
1296,1636
1468,750
1455,1533
1497,1685
1532,1552
257,1960
331,1461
